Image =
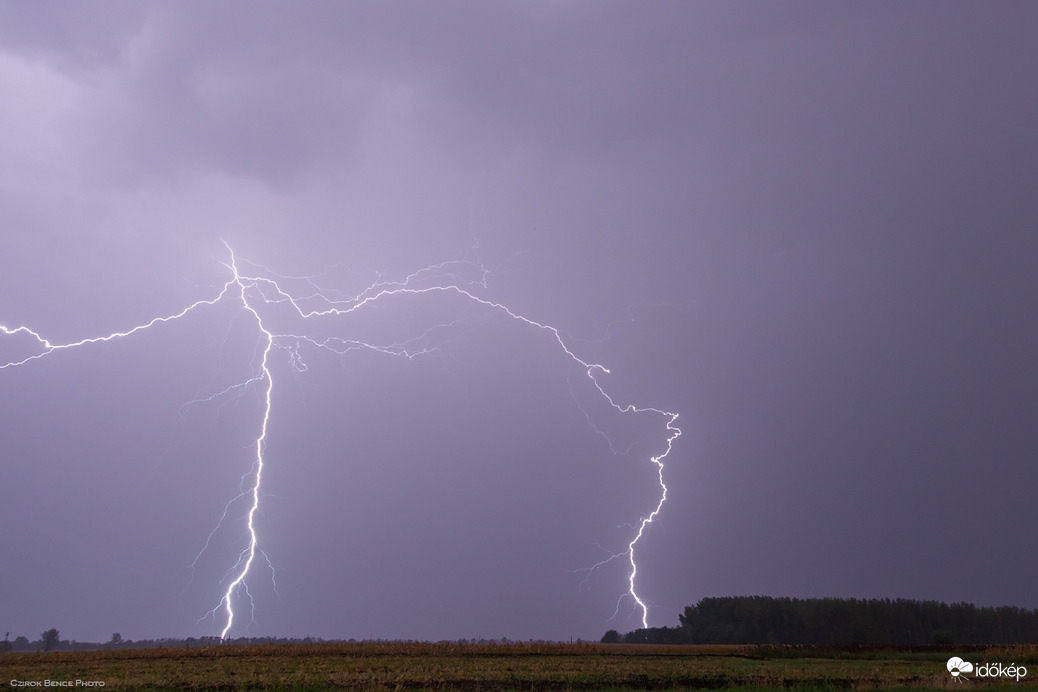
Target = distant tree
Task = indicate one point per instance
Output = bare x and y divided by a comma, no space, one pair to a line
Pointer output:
6,645
21,643
50,639
116,639
611,637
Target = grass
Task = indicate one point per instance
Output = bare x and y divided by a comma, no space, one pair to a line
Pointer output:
477,667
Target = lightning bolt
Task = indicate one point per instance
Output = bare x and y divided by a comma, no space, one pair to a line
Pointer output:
262,288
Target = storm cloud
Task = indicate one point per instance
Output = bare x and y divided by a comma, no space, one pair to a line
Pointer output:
808,228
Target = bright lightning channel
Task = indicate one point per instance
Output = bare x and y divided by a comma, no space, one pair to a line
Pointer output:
254,291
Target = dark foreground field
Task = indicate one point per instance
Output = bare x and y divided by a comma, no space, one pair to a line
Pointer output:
390,666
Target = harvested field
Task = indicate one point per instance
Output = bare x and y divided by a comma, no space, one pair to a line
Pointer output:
418,666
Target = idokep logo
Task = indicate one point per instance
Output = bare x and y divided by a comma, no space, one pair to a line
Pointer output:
956,666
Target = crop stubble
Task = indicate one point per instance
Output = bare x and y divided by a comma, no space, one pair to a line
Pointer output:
476,667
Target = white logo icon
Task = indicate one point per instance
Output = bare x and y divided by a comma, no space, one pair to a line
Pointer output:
956,666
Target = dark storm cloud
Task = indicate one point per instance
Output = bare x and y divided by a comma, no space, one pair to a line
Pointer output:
808,228
78,38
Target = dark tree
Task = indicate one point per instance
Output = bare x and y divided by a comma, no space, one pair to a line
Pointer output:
850,621
116,640
611,637
50,639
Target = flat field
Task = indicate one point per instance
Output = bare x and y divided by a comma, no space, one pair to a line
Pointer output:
419,666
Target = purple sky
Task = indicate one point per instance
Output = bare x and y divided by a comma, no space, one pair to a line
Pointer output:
811,229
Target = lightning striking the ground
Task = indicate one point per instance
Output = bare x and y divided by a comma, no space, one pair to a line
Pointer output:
258,291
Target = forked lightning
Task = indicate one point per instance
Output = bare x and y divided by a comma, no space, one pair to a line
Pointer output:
260,288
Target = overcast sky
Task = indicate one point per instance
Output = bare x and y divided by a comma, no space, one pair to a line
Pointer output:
810,229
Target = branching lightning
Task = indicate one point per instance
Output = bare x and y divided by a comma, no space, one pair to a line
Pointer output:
259,288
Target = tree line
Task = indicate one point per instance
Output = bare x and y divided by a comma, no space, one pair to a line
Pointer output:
839,622
51,641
